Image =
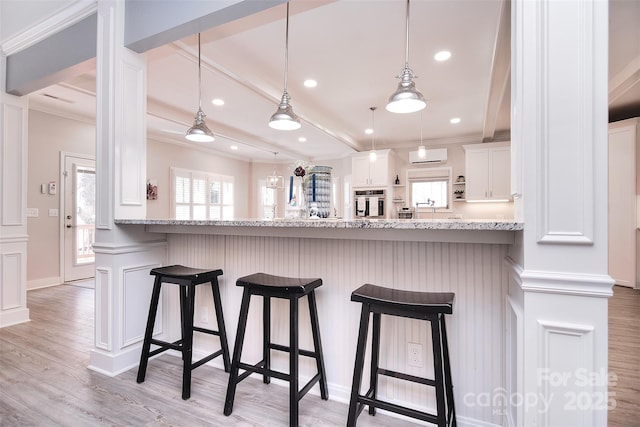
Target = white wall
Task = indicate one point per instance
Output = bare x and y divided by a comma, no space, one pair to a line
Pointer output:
455,160
162,156
48,136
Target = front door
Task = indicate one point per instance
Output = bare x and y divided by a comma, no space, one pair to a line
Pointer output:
79,217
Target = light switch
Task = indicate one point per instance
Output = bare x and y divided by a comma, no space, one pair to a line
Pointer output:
53,212
32,213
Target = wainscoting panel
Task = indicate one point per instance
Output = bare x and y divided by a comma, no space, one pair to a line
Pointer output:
475,272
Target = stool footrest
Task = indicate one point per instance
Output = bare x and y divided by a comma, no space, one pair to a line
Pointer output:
406,377
375,403
206,331
259,369
205,359
164,346
287,349
308,386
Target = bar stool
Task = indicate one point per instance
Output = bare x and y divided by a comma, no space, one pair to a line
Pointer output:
293,289
187,278
430,306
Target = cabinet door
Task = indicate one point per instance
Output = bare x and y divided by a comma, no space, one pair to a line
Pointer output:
360,171
477,170
500,173
379,171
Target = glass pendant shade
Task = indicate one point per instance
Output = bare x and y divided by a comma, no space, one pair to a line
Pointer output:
284,118
406,98
422,152
199,132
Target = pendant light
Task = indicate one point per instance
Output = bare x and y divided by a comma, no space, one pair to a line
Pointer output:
372,154
275,181
284,118
199,132
406,99
422,152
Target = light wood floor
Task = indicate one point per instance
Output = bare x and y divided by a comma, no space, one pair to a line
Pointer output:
624,357
44,380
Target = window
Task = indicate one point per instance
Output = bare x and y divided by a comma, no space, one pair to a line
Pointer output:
430,188
201,195
267,200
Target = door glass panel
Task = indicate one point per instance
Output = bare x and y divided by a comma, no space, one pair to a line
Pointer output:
85,202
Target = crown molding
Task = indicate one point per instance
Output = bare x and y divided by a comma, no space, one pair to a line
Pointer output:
49,26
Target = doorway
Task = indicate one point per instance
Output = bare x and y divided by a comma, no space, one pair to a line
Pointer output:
78,222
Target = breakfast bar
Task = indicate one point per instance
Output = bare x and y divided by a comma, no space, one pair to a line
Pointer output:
464,257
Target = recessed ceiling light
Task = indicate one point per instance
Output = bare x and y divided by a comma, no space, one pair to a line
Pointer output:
234,147
302,139
217,101
310,83
443,55
368,131
455,120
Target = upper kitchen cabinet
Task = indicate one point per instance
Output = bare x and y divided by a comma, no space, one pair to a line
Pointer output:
624,195
488,171
367,173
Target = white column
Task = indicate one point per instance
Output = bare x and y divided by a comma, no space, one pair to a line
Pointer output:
123,257
556,310
13,206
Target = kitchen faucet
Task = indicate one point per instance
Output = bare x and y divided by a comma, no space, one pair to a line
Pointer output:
431,203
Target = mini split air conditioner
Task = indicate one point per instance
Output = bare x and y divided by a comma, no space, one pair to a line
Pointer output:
437,155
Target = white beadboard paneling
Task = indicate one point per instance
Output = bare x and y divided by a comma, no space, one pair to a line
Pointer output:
475,272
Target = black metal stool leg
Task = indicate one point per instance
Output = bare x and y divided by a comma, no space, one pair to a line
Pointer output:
222,331
151,320
451,409
359,366
266,337
293,361
315,329
375,357
438,369
237,352
187,338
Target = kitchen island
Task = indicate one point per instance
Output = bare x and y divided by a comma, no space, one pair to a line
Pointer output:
464,257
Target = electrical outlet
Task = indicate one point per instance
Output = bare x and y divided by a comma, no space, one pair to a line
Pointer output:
414,354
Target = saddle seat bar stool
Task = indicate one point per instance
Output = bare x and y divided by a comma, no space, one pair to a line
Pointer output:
187,279
429,306
292,289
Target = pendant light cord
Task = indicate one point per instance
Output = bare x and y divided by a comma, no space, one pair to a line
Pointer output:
406,52
199,77
373,128
286,50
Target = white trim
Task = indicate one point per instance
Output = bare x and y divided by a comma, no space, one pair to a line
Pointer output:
18,238
45,282
119,249
593,285
54,24
103,278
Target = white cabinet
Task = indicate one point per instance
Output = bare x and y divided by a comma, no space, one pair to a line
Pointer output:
365,173
624,187
488,171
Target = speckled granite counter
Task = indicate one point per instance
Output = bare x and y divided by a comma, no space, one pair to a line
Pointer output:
437,230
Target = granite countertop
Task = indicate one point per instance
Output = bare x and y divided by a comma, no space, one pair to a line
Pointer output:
331,223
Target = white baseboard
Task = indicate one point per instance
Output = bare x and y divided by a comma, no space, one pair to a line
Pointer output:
44,282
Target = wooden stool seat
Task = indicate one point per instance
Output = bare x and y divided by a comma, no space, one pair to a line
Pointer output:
269,286
430,306
187,278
